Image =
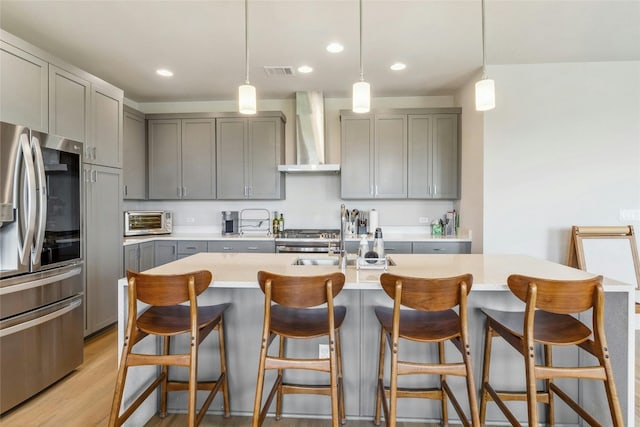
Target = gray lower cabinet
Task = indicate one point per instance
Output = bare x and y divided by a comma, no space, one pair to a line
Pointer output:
242,246
134,159
249,151
165,251
434,156
24,87
103,243
139,257
189,247
69,98
182,159
441,247
390,247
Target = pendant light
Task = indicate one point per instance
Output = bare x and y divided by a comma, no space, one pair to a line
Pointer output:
361,89
246,92
485,88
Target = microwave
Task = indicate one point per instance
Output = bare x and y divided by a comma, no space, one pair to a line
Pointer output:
138,223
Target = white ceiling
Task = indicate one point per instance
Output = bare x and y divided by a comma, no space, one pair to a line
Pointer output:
124,42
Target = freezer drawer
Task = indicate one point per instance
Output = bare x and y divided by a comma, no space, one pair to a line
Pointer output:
38,348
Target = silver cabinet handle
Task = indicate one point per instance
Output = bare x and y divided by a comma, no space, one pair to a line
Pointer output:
252,248
94,175
226,248
126,190
376,189
179,192
371,190
95,156
184,191
435,190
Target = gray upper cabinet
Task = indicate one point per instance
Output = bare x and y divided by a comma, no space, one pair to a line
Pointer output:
105,145
434,156
374,156
134,160
24,88
69,98
182,159
249,151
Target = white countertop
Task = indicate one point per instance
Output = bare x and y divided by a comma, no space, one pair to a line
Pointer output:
490,272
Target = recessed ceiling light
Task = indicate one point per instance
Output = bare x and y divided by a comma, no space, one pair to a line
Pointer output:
164,72
398,66
335,47
304,69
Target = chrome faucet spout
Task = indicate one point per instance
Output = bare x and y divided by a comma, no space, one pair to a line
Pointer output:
342,255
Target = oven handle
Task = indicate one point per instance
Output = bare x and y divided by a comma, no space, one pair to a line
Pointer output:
40,282
40,320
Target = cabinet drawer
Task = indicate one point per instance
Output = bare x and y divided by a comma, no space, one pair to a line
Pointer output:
190,247
242,246
391,248
441,247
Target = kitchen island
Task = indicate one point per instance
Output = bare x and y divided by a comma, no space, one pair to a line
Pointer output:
234,280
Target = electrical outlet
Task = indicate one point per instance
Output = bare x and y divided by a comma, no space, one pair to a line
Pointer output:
323,351
423,220
189,220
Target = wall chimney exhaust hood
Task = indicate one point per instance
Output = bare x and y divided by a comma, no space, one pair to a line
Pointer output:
310,143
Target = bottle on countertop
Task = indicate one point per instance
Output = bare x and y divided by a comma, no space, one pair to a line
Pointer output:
364,247
378,243
281,223
275,225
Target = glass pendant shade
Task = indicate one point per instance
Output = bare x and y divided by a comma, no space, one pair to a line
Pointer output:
361,97
485,95
247,99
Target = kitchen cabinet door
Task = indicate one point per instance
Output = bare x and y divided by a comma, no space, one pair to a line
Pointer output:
165,251
24,83
198,147
441,247
146,256
69,98
249,151
103,244
105,144
390,156
356,175
134,159
130,258
165,159
433,157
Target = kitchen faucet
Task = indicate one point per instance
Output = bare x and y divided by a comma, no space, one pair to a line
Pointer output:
342,251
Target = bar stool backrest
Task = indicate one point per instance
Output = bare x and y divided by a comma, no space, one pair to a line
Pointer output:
427,294
558,296
300,291
167,290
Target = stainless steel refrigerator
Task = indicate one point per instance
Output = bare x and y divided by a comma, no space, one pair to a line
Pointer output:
41,313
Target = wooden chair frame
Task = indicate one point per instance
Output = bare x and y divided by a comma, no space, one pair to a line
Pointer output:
547,320
300,293
165,293
439,296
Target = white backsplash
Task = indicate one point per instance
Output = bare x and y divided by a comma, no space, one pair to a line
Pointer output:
312,201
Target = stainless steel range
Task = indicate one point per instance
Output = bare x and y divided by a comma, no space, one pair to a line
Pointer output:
308,240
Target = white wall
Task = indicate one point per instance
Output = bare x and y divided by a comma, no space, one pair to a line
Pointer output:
311,200
561,148
472,165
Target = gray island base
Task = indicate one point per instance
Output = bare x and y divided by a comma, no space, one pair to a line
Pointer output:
235,281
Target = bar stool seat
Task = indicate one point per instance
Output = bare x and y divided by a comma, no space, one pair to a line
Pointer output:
548,320
431,319
290,312
167,317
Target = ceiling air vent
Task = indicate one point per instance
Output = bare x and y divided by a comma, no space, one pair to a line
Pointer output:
279,70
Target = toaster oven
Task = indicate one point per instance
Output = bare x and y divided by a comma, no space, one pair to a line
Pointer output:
138,223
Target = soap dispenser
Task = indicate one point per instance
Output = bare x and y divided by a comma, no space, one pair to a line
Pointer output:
364,247
378,243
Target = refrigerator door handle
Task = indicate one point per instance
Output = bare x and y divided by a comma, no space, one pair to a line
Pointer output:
40,320
26,237
39,282
42,201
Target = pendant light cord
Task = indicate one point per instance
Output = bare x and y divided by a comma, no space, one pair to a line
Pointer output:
484,63
246,39
361,67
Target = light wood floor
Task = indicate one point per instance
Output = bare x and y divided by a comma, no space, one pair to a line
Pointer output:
83,398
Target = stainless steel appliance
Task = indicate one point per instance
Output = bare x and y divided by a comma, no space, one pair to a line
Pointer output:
230,222
41,314
140,223
308,241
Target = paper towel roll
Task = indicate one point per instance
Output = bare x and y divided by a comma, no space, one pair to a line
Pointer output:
373,220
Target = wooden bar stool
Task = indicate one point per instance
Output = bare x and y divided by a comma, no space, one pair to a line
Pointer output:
292,317
432,320
547,320
167,317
